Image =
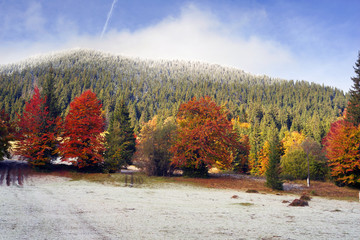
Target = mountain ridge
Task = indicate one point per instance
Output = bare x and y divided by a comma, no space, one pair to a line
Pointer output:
158,87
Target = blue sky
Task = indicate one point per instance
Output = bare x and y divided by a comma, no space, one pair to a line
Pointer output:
314,40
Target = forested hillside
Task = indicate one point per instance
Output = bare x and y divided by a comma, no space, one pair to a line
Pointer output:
159,87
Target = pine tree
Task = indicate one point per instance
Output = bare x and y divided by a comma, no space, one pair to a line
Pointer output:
255,147
6,135
272,173
354,102
48,93
51,106
120,139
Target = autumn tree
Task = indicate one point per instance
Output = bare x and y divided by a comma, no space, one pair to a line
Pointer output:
354,102
316,159
120,139
32,135
6,134
241,159
83,142
292,140
205,137
264,158
152,152
342,149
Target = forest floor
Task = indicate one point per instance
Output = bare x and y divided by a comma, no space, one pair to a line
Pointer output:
70,205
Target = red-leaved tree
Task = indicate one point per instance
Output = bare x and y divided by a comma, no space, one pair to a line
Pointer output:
205,137
33,139
342,150
83,142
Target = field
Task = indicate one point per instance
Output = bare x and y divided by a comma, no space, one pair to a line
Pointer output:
68,205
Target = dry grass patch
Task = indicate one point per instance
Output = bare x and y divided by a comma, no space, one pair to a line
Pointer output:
329,190
321,189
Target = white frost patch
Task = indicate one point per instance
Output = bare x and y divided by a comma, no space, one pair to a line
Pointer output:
65,161
63,209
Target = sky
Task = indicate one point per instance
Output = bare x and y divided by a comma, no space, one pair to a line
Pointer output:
316,41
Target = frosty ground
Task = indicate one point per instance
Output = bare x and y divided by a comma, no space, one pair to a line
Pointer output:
49,207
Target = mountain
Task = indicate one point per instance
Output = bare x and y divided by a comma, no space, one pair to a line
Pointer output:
159,87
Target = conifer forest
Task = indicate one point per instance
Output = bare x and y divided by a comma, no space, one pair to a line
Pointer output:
105,112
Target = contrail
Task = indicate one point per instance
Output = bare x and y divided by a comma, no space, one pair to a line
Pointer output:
108,18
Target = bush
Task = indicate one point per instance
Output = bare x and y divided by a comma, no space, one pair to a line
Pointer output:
200,171
152,154
294,165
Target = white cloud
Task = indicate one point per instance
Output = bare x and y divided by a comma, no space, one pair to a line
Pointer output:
33,19
195,34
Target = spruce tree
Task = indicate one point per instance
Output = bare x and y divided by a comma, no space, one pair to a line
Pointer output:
273,173
255,146
51,106
354,102
6,135
48,92
120,139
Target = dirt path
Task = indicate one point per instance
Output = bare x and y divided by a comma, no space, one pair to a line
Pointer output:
57,208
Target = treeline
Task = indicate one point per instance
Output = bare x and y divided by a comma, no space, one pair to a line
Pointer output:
185,115
159,87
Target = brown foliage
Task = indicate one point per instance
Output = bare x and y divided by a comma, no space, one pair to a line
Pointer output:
205,136
34,139
342,150
82,131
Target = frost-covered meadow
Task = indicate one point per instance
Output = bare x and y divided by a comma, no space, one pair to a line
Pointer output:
49,207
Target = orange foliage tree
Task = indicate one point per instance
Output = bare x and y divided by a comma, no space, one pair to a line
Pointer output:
292,140
32,135
264,158
205,137
83,141
241,160
342,149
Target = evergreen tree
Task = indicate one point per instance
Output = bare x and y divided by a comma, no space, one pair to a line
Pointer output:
272,173
255,147
120,139
48,93
51,106
6,135
354,102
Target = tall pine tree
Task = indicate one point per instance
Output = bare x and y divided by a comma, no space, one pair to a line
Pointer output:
48,93
273,172
6,135
120,139
51,106
354,102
